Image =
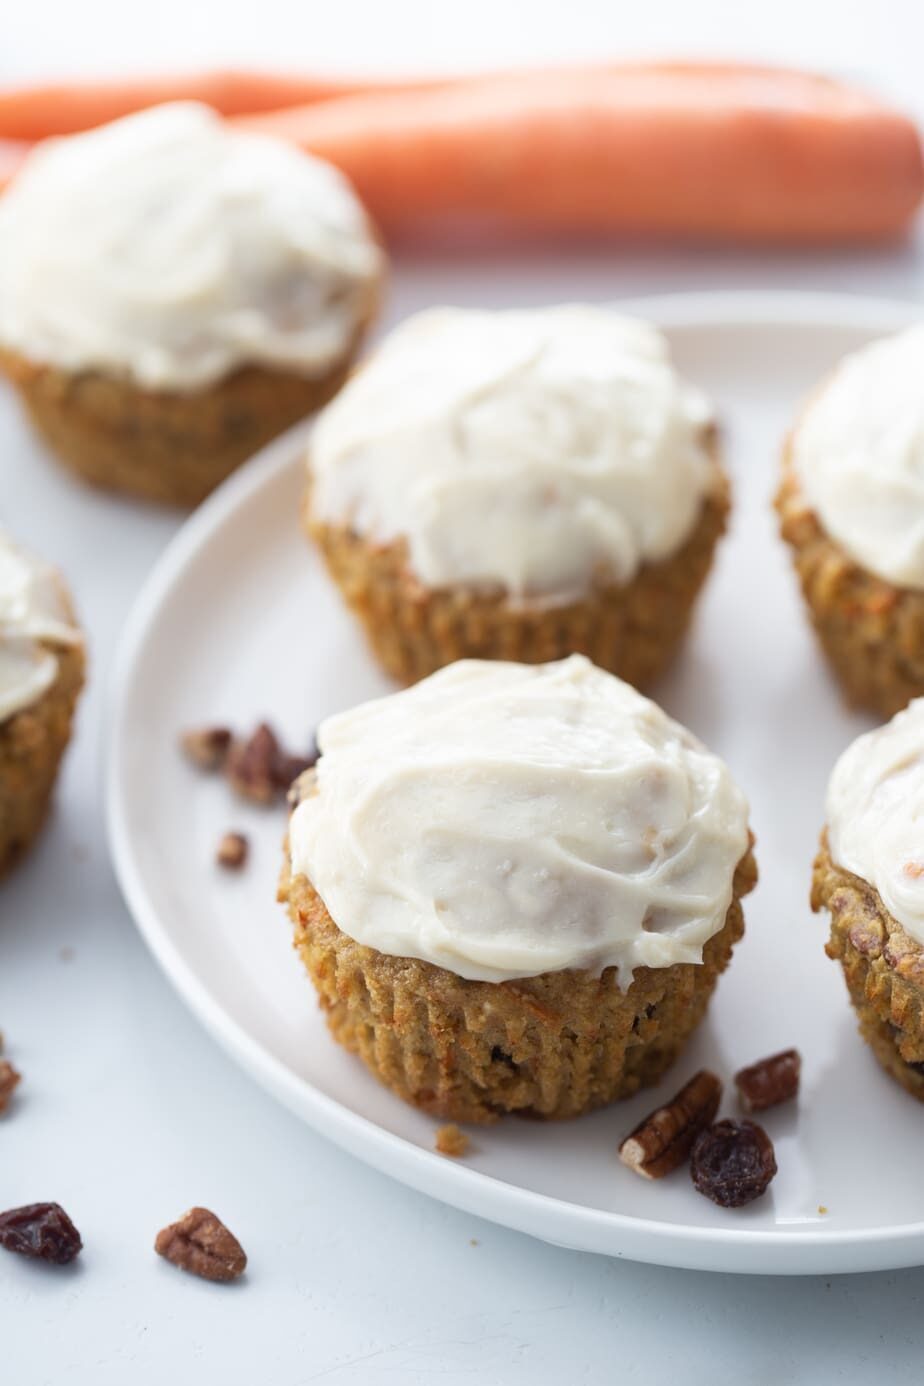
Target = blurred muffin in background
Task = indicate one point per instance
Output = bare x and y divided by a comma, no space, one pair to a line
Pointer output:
41,675
519,485
851,507
174,294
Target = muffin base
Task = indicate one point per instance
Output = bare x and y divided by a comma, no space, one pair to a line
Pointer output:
633,630
552,1046
32,743
871,631
169,447
882,965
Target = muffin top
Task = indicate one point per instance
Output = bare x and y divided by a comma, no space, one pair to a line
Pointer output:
502,820
531,449
875,814
858,452
35,616
168,249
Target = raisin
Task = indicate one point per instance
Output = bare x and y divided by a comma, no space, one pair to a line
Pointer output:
733,1163
40,1229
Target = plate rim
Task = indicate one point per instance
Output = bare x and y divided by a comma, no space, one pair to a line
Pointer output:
556,1220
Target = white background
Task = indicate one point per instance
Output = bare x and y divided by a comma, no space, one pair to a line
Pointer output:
128,1113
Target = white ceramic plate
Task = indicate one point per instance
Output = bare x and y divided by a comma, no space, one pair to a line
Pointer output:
239,621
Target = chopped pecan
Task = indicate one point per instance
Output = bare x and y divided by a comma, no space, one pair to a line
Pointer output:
663,1141
905,956
9,1079
232,851
770,1081
867,936
200,1243
207,747
252,766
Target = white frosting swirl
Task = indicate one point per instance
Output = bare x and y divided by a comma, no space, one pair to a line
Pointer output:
875,814
168,248
502,820
529,448
35,616
858,452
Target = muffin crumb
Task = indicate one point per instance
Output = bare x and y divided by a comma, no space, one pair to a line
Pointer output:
452,1141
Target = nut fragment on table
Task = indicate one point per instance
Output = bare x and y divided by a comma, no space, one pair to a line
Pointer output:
663,1141
207,747
9,1081
232,852
201,1244
770,1081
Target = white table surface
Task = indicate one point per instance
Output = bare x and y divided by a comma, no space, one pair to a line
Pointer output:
128,1113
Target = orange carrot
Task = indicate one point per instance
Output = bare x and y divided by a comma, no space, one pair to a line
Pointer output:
684,150
67,107
64,108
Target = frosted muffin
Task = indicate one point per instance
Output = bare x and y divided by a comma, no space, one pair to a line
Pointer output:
174,293
869,874
851,506
41,674
515,886
519,485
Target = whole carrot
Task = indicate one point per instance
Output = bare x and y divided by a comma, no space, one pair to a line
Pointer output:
67,107
682,150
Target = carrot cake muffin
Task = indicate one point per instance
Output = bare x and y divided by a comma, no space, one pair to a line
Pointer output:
519,485
515,886
851,506
41,674
869,874
174,293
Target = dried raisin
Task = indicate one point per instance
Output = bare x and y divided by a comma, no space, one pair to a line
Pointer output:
733,1163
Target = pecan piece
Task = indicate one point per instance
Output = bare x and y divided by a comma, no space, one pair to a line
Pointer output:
9,1079
665,1138
252,766
232,851
200,1243
770,1081
40,1230
206,747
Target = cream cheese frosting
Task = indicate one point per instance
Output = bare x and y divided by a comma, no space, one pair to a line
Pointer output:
528,448
34,617
875,814
170,249
858,452
502,820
